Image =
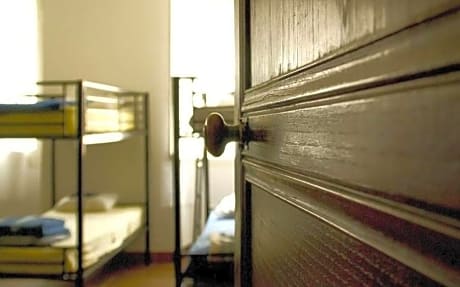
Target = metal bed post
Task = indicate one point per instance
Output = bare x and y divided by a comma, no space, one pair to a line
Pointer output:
198,199
53,171
206,180
147,257
53,160
79,280
176,166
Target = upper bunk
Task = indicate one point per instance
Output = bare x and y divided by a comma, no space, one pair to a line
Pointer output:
77,108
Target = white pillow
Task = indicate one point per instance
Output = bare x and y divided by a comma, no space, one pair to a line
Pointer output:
92,202
226,207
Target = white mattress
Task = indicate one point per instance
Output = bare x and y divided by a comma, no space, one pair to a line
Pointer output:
102,232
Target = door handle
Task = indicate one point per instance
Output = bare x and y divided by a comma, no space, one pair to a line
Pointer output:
217,133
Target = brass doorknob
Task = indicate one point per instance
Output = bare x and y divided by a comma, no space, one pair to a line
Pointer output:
217,133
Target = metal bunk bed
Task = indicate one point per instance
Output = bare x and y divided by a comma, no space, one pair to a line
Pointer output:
126,115
197,266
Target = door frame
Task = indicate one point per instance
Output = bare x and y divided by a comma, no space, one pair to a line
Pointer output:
242,256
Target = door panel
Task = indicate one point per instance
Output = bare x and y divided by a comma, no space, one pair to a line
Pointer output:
430,47
345,215
286,35
294,248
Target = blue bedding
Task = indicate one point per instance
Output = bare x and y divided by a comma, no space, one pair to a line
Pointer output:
216,238
46,105
31,225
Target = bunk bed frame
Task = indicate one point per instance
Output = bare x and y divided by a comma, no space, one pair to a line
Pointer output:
78,131
198,265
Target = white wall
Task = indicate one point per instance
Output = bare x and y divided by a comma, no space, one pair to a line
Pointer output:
202,46
124,43
203,43
222,174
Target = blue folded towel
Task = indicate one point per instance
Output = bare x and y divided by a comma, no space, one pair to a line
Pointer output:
31,225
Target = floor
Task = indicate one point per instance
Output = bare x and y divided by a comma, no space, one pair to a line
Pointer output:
158,274
120,273
116,274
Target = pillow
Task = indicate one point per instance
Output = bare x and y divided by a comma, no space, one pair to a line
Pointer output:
92,202
226,207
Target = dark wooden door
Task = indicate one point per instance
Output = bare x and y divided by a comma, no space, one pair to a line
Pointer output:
355,177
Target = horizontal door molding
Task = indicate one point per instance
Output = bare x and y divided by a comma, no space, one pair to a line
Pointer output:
398,141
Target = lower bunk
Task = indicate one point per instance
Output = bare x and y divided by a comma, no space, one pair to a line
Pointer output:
210,258
105,234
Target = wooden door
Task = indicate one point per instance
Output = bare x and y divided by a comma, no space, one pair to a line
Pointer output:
355,177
